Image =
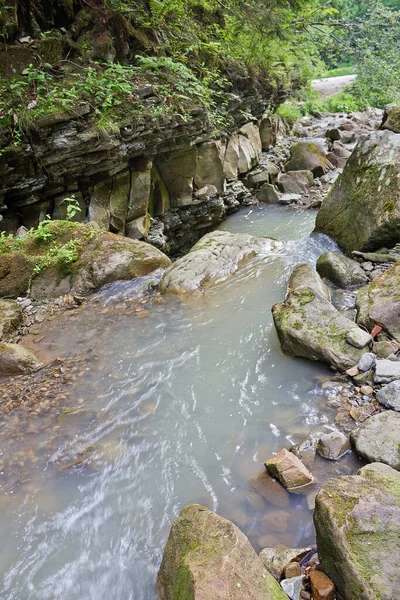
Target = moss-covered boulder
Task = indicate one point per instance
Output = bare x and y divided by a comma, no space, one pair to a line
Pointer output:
362,210
357,520
61,257
209,558
391,118
10,318
15,359
379,302
215,257
341,270
309,326
306,156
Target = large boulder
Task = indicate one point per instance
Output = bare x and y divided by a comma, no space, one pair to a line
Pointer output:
391,118
209,558
377,439
15,359
307,156
362,211
216,256
340,269
357,520
295,182
10,318
379,303
309,326
65,257
389,395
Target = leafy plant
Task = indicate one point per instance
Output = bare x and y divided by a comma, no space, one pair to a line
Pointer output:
73,207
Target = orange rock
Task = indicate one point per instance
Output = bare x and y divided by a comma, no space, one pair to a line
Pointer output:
322,588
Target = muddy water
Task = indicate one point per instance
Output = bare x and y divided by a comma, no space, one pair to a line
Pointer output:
167,403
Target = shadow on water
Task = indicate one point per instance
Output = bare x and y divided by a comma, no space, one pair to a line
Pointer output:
176,402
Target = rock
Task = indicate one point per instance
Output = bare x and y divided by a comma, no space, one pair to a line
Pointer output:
333,134
367,390
391,118
377,439
366,362
309,326
15,359
379,302
272,491
215,257
389,395
289,198
293,569
385,348
386,371
340,269
357,520
16,272
341,151
305,278
295,182
276,560
138,228
268,193
293,587
333,445
10,318
178,170
207,556
206,192
267,132
362,210
306,156
209,167
305,451
288,469
358,338
352,372
275,521
322,588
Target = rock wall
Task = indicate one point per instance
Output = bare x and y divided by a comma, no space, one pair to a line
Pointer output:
125,177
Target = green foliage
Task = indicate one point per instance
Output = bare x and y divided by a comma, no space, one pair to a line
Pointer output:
289,111
73,207
340,102
338,72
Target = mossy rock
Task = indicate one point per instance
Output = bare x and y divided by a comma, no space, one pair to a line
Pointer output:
357,520
10,318
63,257
341,270
306,156
15,359
208,557
362,210
391,119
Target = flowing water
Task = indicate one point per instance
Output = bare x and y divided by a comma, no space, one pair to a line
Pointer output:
179,402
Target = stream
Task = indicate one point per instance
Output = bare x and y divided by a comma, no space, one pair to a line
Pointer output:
182,402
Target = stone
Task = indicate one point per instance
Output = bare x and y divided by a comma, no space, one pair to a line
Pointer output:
367,390
268,193
366,362
289,198
207,556
138,228
178,170
276,559
206,192
305,451
288,469
273,522
322,588
386,371
295,182
293,569
252,133
248,157
357,521
340,269
340,150
391,118
359,338
267,133
11,317
209,167
309,326
215,257
379,302
272,491
99,207
119,199
231,157
304,278
139,194
362,210
389,396
306,156
385,348
333,445
377,439
293,587
15,359
333,134
16,272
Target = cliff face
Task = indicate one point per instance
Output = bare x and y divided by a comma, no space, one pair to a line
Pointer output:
127,168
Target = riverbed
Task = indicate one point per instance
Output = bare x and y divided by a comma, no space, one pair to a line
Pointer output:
173,402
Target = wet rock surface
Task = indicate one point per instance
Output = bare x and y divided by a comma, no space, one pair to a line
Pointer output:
377,440
288,469
340,269
357,519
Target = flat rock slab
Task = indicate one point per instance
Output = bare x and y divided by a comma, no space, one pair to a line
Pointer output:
215,257
389,396
208,557
378,438
357,520
386,371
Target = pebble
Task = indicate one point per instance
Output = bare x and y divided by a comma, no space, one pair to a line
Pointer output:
367,390
366,362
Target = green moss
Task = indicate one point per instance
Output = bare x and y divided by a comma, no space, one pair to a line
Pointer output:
389,206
